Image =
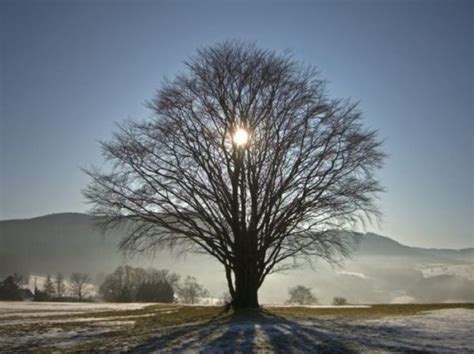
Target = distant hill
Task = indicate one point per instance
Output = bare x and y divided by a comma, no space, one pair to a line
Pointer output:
70,242
380,270
371,244
60,242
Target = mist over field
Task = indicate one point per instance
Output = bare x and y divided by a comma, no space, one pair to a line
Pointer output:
381,270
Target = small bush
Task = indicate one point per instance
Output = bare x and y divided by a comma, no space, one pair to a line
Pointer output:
339,301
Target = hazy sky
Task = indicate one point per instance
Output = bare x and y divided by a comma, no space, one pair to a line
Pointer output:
70,69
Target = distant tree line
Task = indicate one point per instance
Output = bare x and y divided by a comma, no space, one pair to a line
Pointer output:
125,284
53,289
129,284
76,289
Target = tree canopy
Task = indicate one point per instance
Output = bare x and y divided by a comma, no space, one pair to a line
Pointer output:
245,158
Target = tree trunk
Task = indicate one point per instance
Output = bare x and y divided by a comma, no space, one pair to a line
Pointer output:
246,286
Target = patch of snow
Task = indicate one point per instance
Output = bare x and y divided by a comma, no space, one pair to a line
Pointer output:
21,306
444,331
441,331
60,338
447,330
83,319
210,301
321,306
36,314
115,323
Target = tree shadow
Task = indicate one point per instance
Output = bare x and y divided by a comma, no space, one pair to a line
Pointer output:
237,338
266,332
179,338
392,337
332,335
243,333
289,336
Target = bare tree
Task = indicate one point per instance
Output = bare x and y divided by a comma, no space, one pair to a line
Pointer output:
48,287
60,287
79,285
245,159
191,290
301,295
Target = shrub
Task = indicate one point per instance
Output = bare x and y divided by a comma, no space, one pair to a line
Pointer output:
339,301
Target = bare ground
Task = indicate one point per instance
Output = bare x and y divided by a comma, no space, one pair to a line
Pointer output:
444,328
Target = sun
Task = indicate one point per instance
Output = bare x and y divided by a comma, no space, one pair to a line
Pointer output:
241,137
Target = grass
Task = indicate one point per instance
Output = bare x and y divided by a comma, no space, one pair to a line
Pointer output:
374,310
146,321
153,318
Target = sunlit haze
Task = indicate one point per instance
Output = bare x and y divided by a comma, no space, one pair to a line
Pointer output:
241,137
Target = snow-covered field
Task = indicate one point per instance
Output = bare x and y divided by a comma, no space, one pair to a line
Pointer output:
175,328
27,308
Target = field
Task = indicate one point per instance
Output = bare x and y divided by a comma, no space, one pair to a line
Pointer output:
29,326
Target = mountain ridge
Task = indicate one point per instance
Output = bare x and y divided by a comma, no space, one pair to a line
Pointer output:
366,234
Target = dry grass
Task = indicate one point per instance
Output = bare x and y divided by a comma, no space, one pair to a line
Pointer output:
374,310
147,321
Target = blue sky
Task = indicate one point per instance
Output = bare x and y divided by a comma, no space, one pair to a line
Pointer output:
70,69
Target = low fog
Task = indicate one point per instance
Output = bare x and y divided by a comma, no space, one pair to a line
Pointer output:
379,271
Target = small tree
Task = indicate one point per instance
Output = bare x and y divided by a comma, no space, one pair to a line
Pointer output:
339,301
10,287
79,285
48,287
301,295
60,287
191,290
